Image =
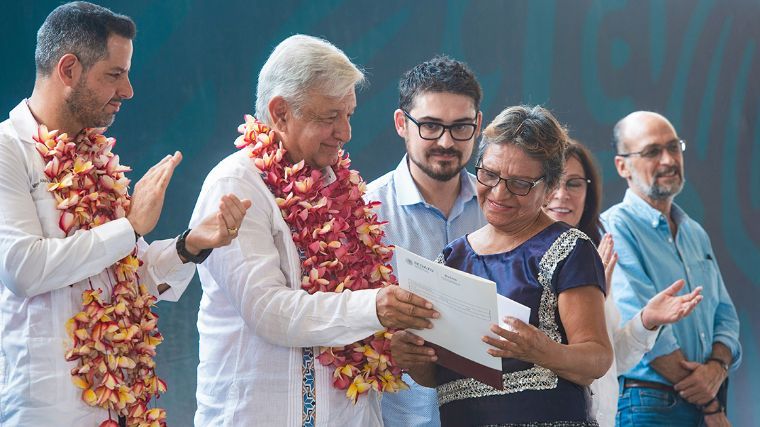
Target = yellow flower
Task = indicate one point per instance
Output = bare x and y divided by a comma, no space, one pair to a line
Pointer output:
357,387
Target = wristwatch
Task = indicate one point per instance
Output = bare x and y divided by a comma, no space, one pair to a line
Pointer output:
182,250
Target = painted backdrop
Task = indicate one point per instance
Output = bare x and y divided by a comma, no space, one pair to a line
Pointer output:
196,62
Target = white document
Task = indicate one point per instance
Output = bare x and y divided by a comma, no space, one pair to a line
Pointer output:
467,304
511,308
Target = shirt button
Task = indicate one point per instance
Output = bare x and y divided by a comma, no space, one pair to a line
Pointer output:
670,239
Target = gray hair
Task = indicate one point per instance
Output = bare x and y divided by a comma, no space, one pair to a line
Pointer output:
536,131
301,63
79,28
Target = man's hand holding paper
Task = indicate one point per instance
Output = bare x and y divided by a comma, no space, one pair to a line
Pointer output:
468,305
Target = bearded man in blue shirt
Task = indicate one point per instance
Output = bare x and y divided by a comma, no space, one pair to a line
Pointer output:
678,381
430,199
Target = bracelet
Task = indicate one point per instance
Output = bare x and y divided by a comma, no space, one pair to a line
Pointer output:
182,251
720,362
718,410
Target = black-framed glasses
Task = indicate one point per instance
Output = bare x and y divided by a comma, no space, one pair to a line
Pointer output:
434,130
575,185
676,146
516,186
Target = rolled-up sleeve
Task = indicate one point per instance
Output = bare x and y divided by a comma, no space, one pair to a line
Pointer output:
726,324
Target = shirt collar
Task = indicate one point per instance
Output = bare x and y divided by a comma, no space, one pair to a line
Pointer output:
650,214
407,192
23,122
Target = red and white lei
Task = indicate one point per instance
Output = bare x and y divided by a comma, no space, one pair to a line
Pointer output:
340,240
114,343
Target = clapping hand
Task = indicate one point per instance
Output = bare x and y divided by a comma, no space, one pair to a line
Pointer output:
609,258
667,307
148,195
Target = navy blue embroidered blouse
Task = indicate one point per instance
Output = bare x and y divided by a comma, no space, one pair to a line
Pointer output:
556,259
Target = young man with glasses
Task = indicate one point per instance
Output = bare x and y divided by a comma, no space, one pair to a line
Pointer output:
657,243
429,199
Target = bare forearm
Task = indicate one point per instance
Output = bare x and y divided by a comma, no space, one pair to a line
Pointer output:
580,363
423,374
670,367
720,351
588,354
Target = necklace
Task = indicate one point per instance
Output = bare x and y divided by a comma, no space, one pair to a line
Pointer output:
113,343
340,241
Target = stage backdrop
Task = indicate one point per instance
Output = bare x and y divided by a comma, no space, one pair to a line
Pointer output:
195,67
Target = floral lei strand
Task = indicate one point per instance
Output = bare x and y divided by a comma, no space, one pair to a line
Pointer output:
114,343
339,237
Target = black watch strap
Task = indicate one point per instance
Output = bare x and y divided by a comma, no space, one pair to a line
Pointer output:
182,250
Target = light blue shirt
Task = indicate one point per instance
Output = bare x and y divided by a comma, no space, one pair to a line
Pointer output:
423,229
650,260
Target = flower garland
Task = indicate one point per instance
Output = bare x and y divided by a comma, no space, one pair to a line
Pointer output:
339,239
114,343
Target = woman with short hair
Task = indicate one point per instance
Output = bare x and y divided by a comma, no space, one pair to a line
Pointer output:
548,266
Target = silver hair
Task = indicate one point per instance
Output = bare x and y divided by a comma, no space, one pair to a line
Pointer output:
302,63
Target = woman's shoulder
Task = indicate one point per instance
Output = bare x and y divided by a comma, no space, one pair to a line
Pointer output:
557,233
457,248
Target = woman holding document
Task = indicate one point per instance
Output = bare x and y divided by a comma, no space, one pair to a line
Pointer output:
547,266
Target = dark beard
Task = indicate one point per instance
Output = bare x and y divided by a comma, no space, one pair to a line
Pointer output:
443,175
82,106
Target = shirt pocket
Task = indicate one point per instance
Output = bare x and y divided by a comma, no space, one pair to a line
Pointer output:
48,371
709,271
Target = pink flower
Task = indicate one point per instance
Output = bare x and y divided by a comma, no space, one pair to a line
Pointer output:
112,342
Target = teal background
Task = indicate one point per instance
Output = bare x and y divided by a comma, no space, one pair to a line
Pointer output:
196,62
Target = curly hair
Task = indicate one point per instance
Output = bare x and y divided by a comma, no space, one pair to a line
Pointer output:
536,131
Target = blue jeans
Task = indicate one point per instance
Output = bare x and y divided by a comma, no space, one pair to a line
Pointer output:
641,407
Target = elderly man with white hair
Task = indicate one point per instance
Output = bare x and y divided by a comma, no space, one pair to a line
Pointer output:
292,314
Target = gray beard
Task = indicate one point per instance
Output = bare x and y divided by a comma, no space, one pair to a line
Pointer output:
657,192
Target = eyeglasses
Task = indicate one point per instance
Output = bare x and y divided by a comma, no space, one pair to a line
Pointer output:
674,147
516,186
575,185
434,130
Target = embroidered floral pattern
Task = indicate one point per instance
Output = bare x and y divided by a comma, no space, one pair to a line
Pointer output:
340,242
113,343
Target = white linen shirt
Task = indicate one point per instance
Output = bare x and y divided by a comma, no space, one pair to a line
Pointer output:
42,276
254,319
630,342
